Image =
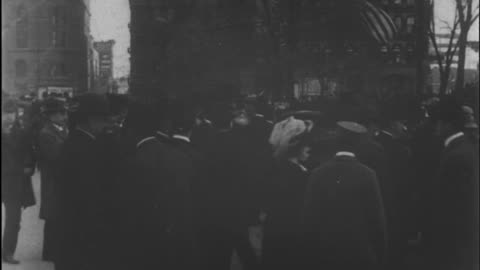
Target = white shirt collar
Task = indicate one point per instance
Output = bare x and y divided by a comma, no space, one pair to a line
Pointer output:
162,134
453,137
387,133
299,165
87,133
345,154
181,137
144,141
58,127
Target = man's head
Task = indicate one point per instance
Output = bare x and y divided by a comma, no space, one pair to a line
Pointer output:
301,148
349,135
118,105
183,117
55,111
145,117
93,113
242,114
448,117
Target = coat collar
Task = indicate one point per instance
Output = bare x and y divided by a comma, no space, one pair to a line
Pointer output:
344,155
145,140
452,138
181,138
86,133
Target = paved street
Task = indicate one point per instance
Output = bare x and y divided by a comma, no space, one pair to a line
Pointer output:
29,248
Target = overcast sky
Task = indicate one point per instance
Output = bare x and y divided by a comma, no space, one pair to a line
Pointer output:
110,20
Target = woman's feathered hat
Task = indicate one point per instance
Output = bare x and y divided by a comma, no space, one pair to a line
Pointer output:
285,134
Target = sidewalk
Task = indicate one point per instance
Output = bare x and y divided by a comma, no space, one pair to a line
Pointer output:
29,249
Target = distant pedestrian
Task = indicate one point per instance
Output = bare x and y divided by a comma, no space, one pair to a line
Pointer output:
17,169
343,218
50,143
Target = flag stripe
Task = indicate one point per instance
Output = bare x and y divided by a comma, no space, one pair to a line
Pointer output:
378,23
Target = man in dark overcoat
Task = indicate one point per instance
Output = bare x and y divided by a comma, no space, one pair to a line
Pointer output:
343,218
17,169
236,186
82,191
158,203
50,142
452,237
398,193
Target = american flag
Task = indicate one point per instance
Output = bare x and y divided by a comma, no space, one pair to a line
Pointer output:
377,22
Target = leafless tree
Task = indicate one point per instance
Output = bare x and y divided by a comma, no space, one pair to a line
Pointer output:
444,59
467,16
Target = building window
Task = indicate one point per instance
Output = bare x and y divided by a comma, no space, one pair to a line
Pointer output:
22,27
59,35
399,23
410,24
20,68
411,3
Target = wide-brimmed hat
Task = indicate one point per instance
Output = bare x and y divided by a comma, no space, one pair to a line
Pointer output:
53,105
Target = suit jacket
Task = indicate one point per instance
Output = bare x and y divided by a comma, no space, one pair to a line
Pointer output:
343,218
17,154
454,203
50,143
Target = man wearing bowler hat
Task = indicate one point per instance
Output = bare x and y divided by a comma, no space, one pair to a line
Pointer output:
343,218
50,143
82,200
451,237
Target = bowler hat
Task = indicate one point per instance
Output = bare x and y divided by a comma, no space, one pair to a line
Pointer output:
53,105
91,104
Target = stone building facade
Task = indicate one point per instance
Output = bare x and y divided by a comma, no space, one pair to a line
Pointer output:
45,46
204,43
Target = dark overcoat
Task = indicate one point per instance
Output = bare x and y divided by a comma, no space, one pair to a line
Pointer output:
17,154
83,203
452,234
284,207
343,219
159,209
238,179
398,193
50,143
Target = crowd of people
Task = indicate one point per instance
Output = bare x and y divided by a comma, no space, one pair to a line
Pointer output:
143,183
